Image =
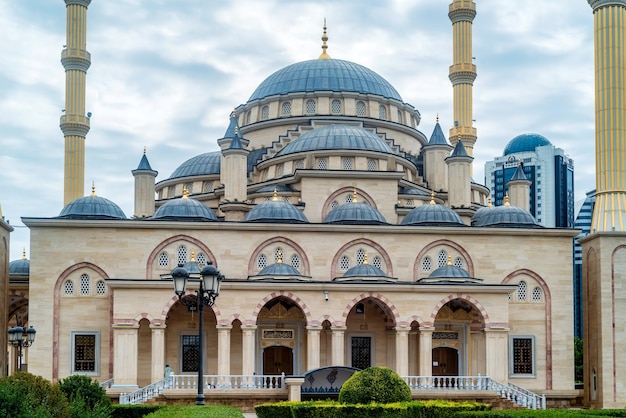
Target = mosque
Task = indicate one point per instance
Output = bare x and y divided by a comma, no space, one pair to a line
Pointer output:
345,235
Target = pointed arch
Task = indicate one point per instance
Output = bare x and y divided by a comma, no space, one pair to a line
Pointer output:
468,298
172,301
385,304
289,295
191,240
362,241
447,243
274,240
361,193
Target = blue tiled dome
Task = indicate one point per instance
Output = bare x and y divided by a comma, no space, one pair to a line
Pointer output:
184,209
504,216
325,75
203,164
279,269
432,215
355,214
19,267
91,207
337,137
525,143
364,270
277,211
449,272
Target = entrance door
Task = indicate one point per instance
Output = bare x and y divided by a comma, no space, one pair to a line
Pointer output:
278,359
445,361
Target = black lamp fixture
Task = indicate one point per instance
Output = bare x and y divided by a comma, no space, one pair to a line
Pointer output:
209,289
20,339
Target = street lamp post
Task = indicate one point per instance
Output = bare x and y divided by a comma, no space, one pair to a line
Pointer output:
20,338
209,289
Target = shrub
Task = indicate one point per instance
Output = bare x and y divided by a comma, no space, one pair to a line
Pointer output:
375,384
27,395
87,398
134,411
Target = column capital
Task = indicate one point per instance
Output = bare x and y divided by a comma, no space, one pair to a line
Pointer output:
248,328
402,329
158,326
340,328
122,325
426,329
78,2
598,4
497,329
314,328
224,327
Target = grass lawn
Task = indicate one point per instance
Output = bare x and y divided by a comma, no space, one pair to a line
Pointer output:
213,411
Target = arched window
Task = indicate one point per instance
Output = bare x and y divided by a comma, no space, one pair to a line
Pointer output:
399,116
207,186
372,165
347,163
310,107
280,170
265,112
360,108
334,204
189,187
68,288
537,295
344,263
299,164
201,259
322,163
442,258
427,263
182,254
349,198
164,259
377,262
382,112
295,262
286,109
101,288
521,291
458,262
261,261
278,253
360,308
85,284
360,256
335,107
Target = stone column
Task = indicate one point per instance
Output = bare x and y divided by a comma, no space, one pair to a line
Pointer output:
223,349
338,346
497,354
402,350
158,352
125,348
426,351
248,349
313,347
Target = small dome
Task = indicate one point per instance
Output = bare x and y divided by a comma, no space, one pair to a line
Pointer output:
19,267
355,213
525,143
432,215
505,216
91,207
277,211
325,75
337,137
184,209
449,272
200,165
280,269
364,270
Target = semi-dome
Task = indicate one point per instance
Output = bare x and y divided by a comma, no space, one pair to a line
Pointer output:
91,207
432,215
184,209
19,267
325,75
355,213
504,216
525,143
276,211
200,165
337,137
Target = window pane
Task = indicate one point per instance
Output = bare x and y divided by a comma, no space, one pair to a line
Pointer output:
522,356
84,353
361,352
190,344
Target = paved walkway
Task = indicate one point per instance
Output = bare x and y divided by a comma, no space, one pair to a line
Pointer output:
249,415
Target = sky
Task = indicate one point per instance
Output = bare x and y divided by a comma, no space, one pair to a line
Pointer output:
165,75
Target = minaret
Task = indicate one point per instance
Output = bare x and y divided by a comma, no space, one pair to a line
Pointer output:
74,124
519,188
462,73
459,179
144,188
234,172
435,154
609,213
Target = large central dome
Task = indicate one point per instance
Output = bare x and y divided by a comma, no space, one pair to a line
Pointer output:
325,75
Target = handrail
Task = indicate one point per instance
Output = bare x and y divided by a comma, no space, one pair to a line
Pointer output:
106,384
255,381
512,392
146,393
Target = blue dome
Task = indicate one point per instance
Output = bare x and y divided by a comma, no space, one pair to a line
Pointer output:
432,215
525,143
280,269
277,211
91,207
355,214
337,137
505,216
19,267
200,165
325,75
364,270
184,209
449,272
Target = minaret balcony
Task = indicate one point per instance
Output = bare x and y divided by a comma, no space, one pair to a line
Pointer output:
75,59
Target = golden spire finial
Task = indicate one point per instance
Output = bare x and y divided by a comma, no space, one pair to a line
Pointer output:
144,150
193,255
324,55
365,258
275,198
437,119
506,200
185,193
24,254
279,257
449,260
93,188
354,196
432,197
489,204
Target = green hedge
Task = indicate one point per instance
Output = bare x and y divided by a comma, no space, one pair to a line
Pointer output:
548,413
133,411
332,409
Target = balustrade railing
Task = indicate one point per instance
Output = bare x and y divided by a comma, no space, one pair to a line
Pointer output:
106,384
146,393
184,381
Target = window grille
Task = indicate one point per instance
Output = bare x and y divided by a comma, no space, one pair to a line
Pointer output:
85,284
164,260
171,191
207,187
442,258
347,163
382,112
84,353
399,116
278,253
310,107
458,262
201,258
299,164
521,291
261,262
286,109
360,256
322,164
182,254
349,198
190,353
280,170
377,262
523,355
101,288
409,202
344,263
537,295
427,264
335,107
334,204
265,113
360,108
361,352
372,165
295,262
189,187
68,288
